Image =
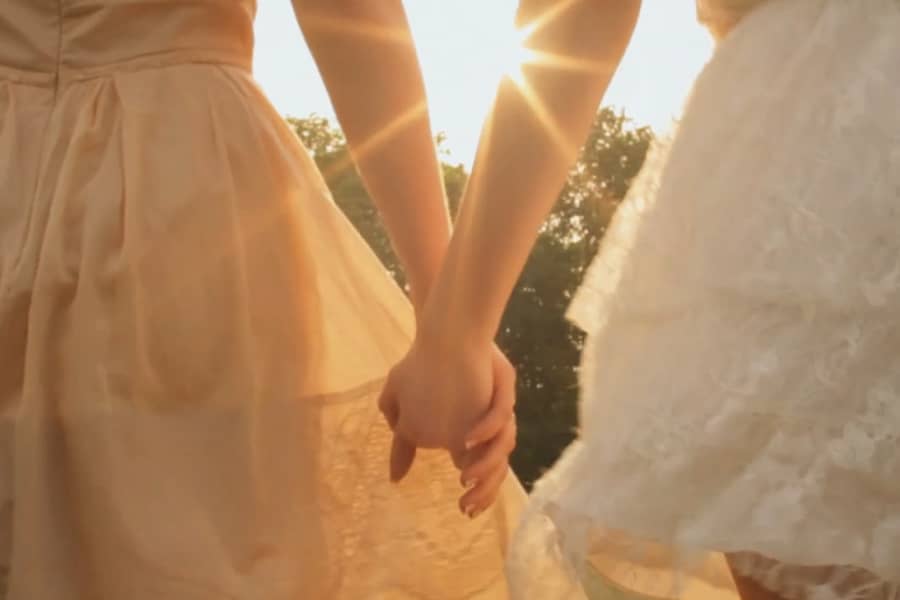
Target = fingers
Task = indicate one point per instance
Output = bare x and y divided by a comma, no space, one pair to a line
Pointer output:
460,458
485,459
387,404
480,497
502,404
403,453
490,443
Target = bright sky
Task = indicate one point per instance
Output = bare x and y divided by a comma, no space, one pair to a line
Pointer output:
462,45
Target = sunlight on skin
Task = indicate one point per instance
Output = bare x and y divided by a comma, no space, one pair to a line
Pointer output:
522,56
569,63
516,56
380,138
515,53
462,45
395,35
519,58
546,17
374,33
543,115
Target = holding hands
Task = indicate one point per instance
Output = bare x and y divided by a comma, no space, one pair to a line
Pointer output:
454,389
446,395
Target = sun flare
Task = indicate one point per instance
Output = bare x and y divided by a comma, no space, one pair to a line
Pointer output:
467,46
514,54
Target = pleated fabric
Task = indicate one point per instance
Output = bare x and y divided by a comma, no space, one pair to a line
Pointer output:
194,337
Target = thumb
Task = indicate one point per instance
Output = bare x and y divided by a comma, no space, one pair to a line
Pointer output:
403,453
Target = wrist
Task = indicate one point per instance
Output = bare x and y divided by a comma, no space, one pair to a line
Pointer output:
452,344
424,266
421,283
444,327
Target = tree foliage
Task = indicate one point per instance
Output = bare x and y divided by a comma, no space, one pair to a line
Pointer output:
534,333
329,150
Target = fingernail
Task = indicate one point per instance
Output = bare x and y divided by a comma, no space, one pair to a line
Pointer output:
470,483
470,511
470,444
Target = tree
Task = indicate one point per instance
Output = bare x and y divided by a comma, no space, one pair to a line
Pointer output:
329,150
534,333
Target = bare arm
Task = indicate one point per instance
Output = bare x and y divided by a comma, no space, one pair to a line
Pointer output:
365,53
529,143
446,383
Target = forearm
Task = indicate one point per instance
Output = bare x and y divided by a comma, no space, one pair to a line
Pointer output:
530,142
367,59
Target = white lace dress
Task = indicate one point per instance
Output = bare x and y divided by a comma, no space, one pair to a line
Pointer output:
741,381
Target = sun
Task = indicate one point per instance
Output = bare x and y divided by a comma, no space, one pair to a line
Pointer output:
513,54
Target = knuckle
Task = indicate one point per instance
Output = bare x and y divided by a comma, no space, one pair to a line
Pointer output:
488,496
481,493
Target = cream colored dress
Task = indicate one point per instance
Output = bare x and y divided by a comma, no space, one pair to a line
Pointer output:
741,380
192,336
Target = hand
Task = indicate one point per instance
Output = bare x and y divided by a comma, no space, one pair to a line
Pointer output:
487,461
459,400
